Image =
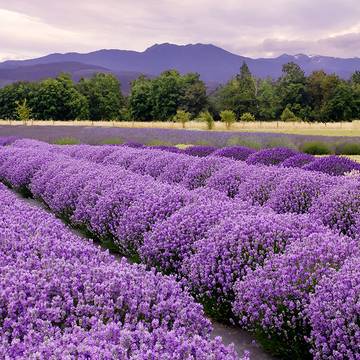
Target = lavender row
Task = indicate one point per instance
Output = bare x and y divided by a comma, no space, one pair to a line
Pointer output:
332,199
220,248
64,297
283,157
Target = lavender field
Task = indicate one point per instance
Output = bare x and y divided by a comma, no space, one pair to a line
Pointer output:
267,240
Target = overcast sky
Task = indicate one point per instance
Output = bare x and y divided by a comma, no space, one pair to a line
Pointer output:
255,28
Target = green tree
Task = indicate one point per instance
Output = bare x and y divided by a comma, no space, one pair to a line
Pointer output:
23,110
228,117
58,99
320,88
355,77
140,99
288,115
193,97
291,89
165,95
182,117
268,101
104,96
246,117
11,94
206,117
343,105
239,94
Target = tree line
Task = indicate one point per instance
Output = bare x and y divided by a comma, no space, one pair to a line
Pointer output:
172,96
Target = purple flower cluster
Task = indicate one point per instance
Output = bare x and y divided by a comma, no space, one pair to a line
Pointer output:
254,239
334,313
274,298
234,152
298,161
61,296
333,165
200,151
7,140
272,156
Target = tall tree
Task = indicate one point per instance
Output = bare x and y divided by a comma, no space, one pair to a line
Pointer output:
268,101
239,94
140,99
166,94
291,89
13,94
104,97
58,99
193,98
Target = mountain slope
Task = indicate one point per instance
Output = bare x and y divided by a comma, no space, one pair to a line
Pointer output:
214,64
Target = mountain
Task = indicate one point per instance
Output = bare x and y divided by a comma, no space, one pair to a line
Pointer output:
214,64
33,71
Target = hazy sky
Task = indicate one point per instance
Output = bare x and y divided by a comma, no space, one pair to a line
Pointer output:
256,28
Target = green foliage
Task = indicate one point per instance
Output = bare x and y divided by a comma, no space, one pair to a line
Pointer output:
140,99
104,97
315,148
280,142
355,77
228,117
193,97
23,110
268,101
158,142
58,99
182,117
67,140
247,117
13,94
288,115
160,98
252,143
347,149
206,117
344,104
239,94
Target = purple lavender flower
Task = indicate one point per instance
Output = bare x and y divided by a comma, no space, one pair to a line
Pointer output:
333,165
272,156
234,152
298,161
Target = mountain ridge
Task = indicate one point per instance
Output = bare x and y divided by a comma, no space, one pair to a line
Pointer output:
214,64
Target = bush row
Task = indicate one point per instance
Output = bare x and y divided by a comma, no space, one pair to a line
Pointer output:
63,297
224,250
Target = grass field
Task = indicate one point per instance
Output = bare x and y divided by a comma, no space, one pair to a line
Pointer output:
298,128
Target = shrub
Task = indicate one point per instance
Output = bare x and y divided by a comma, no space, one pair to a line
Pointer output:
272,156
231,249
206,117
247,117
315,148
339,208
335,315
298,161
288,115
242,141
67,140
273,300
234,152
182,117
228,117
347,149
200,151
333,165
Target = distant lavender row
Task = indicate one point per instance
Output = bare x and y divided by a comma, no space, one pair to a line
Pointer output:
64,297
218,246
151,136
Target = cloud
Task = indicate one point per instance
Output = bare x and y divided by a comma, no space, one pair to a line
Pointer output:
256,28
